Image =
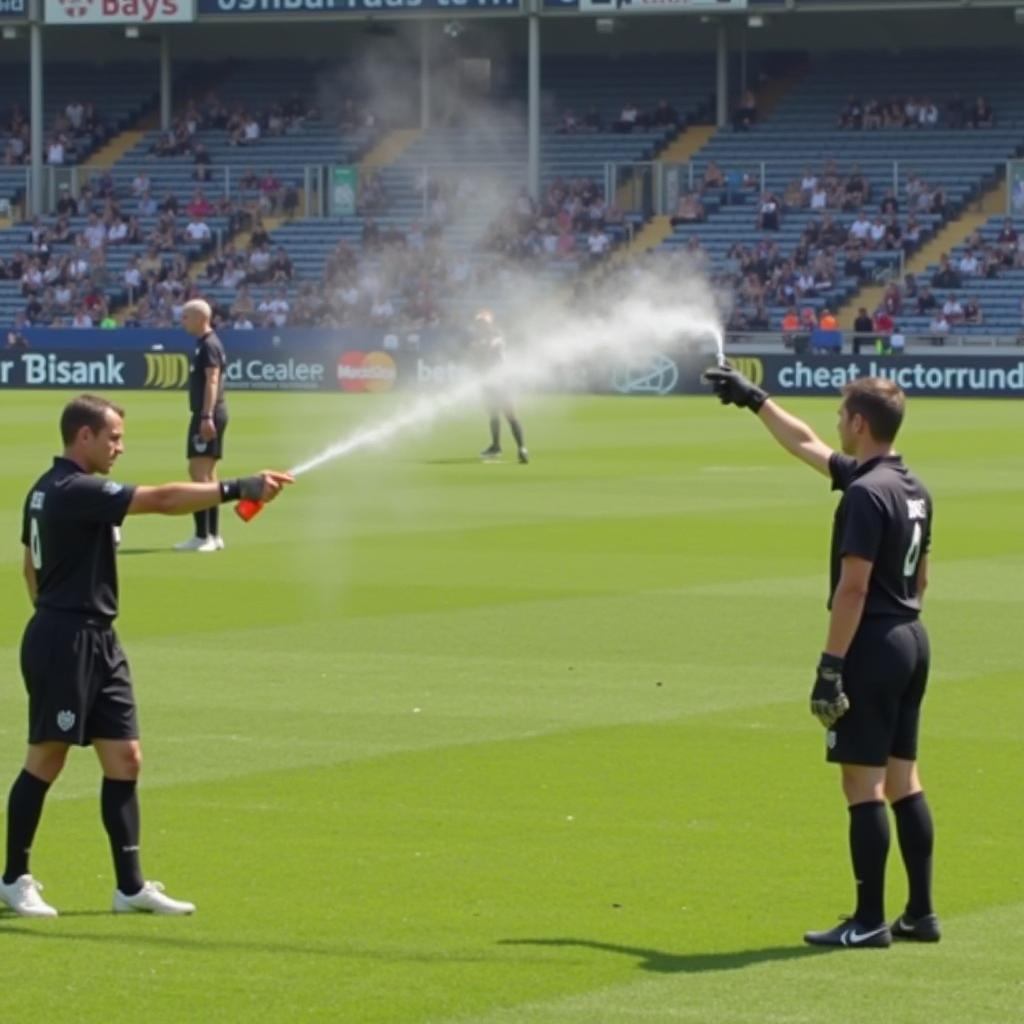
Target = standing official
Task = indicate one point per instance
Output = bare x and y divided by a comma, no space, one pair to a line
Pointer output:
488,353
208,419
871,677
76,674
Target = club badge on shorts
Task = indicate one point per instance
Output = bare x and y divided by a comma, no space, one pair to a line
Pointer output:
65,720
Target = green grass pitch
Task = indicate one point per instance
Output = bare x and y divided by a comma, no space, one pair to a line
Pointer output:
439,741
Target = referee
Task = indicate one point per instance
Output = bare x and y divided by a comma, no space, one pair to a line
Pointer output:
871,678
76,674
487,345
208,419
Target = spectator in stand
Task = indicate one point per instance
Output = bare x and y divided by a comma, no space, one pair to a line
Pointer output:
926,301
897,341
946,277
133,281
598,244
117,232
270,191
259,265
769,214
939,327
928,114
863,330
982,114
892,299
1007,242
969,266
567,124
792,336
745,115
956,111
952,310
852,114
197,232
81,319
281,269
689,210
199,207
628,117
274,311
714,177
67,205
665,115
873,115
202,163
860,230
971,311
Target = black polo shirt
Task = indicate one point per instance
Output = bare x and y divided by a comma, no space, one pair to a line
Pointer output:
209,352
67,525
885,517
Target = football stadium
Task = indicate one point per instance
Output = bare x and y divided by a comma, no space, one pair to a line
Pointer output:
621,403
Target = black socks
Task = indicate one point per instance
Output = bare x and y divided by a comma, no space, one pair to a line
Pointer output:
119,804
916,835
869,847
24,809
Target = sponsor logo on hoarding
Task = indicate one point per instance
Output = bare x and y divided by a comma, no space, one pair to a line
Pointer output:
655,375
166,370
93,12
276,374
366,371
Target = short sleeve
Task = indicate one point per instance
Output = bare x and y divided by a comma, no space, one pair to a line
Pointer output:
841,468
213,354
92,500
863,524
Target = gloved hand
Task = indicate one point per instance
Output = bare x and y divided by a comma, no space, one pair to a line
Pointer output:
828,702
733,388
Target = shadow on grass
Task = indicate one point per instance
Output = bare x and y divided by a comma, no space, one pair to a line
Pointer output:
462,461
138,935
146,551
681,963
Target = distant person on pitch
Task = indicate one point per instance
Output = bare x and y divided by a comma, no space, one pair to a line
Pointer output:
487,347
78,681
208,419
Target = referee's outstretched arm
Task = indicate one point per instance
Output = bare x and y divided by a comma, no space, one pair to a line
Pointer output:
181,498
793,434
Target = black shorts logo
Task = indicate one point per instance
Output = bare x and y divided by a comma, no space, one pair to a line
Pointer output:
65,720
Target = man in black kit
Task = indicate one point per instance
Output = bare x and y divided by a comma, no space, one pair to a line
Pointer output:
208,419
487,346
872,675
78,681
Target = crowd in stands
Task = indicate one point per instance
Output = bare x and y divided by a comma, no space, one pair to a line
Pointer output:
73,134
915,112
661,115
571,222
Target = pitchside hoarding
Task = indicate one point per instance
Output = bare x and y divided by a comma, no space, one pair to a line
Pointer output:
11,10
368,362
118,12
229,8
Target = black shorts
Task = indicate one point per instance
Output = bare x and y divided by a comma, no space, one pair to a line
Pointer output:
78,681
885,675
196,447
498,400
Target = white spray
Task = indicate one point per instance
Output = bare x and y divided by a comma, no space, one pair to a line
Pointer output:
629,326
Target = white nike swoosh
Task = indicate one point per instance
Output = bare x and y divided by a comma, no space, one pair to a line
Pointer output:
855,937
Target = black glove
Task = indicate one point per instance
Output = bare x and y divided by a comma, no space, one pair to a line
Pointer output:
733,388
828,702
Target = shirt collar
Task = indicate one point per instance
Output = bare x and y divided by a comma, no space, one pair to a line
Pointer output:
865,467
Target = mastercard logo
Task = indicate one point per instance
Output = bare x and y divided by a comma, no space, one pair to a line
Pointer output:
366,371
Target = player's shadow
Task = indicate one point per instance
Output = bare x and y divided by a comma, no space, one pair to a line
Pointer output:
660,962
144,551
